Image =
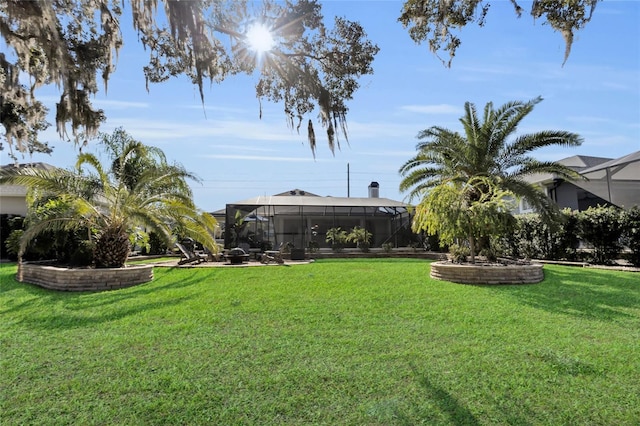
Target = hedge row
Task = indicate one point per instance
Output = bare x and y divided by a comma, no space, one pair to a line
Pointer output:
598,235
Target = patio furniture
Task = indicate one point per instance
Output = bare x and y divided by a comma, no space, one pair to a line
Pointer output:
236,256
272,256
189,256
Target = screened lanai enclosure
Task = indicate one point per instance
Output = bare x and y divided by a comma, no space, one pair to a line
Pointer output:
302,221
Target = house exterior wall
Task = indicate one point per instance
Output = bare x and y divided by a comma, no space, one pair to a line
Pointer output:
13,200
566,195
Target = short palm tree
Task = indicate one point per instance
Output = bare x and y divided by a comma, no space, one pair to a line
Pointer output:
361,237
489,155
337,237
139,190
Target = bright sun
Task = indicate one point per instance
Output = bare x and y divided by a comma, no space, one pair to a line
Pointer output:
259,38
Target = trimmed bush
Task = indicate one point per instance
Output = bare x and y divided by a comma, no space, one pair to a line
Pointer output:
631,235
602,228
533,238
83,254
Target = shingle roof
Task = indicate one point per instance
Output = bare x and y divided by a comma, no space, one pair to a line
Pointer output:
37,165
581,162
304,200
627,159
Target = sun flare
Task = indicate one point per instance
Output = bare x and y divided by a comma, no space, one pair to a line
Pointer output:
259,38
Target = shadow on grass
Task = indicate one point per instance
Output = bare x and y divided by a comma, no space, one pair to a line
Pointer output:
456,412
69,310
581,292
453,411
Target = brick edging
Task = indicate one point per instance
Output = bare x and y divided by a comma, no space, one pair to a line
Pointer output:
487,274
83,279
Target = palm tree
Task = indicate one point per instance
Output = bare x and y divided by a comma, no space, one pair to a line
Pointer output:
139,190
337,237
490,156
361,237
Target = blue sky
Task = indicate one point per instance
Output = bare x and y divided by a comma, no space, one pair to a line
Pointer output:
237,155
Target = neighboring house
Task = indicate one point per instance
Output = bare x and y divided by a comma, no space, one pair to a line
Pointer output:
13,197
608,182
300,218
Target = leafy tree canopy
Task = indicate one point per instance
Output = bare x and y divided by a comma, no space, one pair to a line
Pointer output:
435,21
74,44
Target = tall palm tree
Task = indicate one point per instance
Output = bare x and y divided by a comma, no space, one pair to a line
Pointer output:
138,190
488,149
462,180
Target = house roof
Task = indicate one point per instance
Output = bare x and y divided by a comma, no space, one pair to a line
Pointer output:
298,192
316,201
581,162
37,165
633,158
614,180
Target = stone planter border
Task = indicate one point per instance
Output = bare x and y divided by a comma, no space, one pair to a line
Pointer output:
83,279
487,274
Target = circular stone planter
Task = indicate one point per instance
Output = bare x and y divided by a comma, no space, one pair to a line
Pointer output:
83,279
487,274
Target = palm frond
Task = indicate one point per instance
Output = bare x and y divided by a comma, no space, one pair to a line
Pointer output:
526,143
534,196
531,166
504,122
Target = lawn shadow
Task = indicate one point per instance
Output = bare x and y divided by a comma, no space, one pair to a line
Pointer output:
581,292
456,412
72,310
449,405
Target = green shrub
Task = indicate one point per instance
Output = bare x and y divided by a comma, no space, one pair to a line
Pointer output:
631,235
490,253
602,228
569,239
337,237
7,224
459,253
157,245
40,248
313,246
361,237
83,254
12,243
534,238
387,247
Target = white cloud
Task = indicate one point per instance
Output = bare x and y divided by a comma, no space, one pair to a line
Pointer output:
261,158
115,104
432,109
163,130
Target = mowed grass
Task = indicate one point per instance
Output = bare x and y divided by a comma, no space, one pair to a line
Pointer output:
352,342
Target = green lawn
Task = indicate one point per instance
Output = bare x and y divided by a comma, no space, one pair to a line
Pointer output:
352,342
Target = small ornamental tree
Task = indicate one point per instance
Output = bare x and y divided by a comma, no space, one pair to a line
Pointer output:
470,210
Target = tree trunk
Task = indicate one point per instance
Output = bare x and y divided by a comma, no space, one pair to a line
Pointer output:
112,248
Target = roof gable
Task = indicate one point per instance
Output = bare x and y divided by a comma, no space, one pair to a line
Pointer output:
580,162
297,192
